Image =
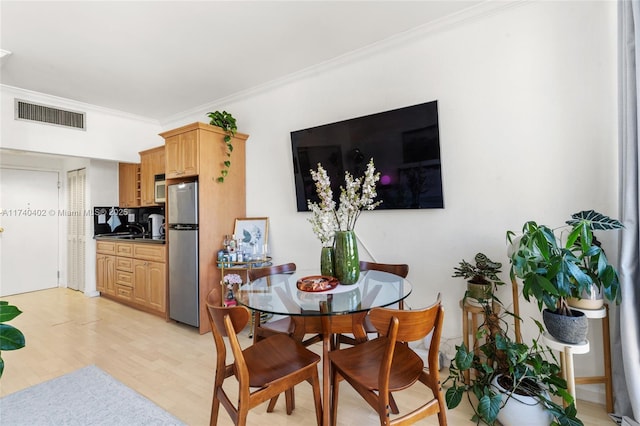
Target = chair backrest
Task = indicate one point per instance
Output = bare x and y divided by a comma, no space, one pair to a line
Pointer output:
239,318
226,322
413,324
256,273
401,270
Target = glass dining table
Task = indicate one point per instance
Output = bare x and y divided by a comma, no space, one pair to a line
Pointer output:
339,310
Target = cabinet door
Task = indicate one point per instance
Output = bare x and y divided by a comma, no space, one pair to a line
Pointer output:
172,157
129,184
189,153
147,190
140,281
157,288
181,155
100,272
151,164
106,273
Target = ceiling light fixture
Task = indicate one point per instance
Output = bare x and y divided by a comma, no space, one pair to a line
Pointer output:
4,53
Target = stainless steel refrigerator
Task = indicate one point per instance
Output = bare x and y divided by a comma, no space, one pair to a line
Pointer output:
182,200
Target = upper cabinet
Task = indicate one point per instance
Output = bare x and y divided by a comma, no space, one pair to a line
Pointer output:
182,154
151,164
129,184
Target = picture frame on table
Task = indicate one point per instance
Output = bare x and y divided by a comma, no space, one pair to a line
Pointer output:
253,234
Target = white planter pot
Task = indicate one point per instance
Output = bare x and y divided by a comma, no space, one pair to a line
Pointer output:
591,299
521,410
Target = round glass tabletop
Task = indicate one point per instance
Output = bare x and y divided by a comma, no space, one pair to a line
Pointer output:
279,294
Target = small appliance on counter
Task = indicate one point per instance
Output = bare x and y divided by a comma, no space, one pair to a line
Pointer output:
156,225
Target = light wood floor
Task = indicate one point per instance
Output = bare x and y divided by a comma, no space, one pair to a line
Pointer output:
170,364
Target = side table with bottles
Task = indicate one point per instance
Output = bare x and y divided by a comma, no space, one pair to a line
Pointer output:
241,269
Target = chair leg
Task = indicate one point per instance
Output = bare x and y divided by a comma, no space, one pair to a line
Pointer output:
334,397
291,400
272,404
243,412
392,405
317,400
215,408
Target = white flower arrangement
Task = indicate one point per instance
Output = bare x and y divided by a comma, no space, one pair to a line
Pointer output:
357,195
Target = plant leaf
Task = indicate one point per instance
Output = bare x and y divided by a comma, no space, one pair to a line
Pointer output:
489,406
463,358
8,312
597,221
10,338
453,396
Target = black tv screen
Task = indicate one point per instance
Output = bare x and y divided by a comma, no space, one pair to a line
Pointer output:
404,144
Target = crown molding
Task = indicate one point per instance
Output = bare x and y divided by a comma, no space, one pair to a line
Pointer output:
474,13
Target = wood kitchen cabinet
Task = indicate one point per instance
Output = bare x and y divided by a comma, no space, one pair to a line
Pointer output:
106,267
197,151
152,163
149,287
182,154
134,274
129,184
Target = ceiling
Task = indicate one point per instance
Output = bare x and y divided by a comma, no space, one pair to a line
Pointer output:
156,59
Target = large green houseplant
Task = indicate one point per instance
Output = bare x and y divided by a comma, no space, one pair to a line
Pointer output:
556,264
508,377
226,122
10,337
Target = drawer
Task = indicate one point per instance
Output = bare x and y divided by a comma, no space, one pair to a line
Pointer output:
105,247
124,249
154,252
124,292
124,278
124,264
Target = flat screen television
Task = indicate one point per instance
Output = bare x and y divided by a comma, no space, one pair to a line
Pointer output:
404,144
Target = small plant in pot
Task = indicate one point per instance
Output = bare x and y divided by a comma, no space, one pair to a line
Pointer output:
226,122
513,383
556,264
481,277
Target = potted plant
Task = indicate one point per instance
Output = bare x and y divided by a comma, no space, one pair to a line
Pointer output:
10,337
481,276
556,264
513,383
226,122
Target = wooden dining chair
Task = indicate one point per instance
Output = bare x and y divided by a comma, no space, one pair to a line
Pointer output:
279,326
381,366
263,370
401,270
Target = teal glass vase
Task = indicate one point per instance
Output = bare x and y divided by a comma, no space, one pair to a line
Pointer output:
347,263
327,259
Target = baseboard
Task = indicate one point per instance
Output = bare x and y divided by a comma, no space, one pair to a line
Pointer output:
591,393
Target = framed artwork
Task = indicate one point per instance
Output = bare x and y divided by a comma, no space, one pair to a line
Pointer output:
253,233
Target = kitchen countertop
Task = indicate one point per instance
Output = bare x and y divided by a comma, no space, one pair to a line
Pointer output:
131,239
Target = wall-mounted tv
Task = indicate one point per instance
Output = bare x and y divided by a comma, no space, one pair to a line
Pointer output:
404,144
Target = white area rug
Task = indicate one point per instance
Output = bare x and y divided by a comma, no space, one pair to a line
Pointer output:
88,396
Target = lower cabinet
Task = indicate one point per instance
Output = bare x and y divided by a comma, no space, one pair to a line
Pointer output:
105,273
150,284
135,275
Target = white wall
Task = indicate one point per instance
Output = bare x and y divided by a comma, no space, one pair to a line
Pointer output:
110,135
527,109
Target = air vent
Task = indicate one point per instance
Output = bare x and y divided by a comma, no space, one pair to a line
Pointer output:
50,115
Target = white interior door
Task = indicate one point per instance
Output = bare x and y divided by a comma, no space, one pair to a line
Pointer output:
76,229
29,241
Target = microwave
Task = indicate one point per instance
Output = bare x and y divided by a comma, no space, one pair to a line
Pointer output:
160,189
